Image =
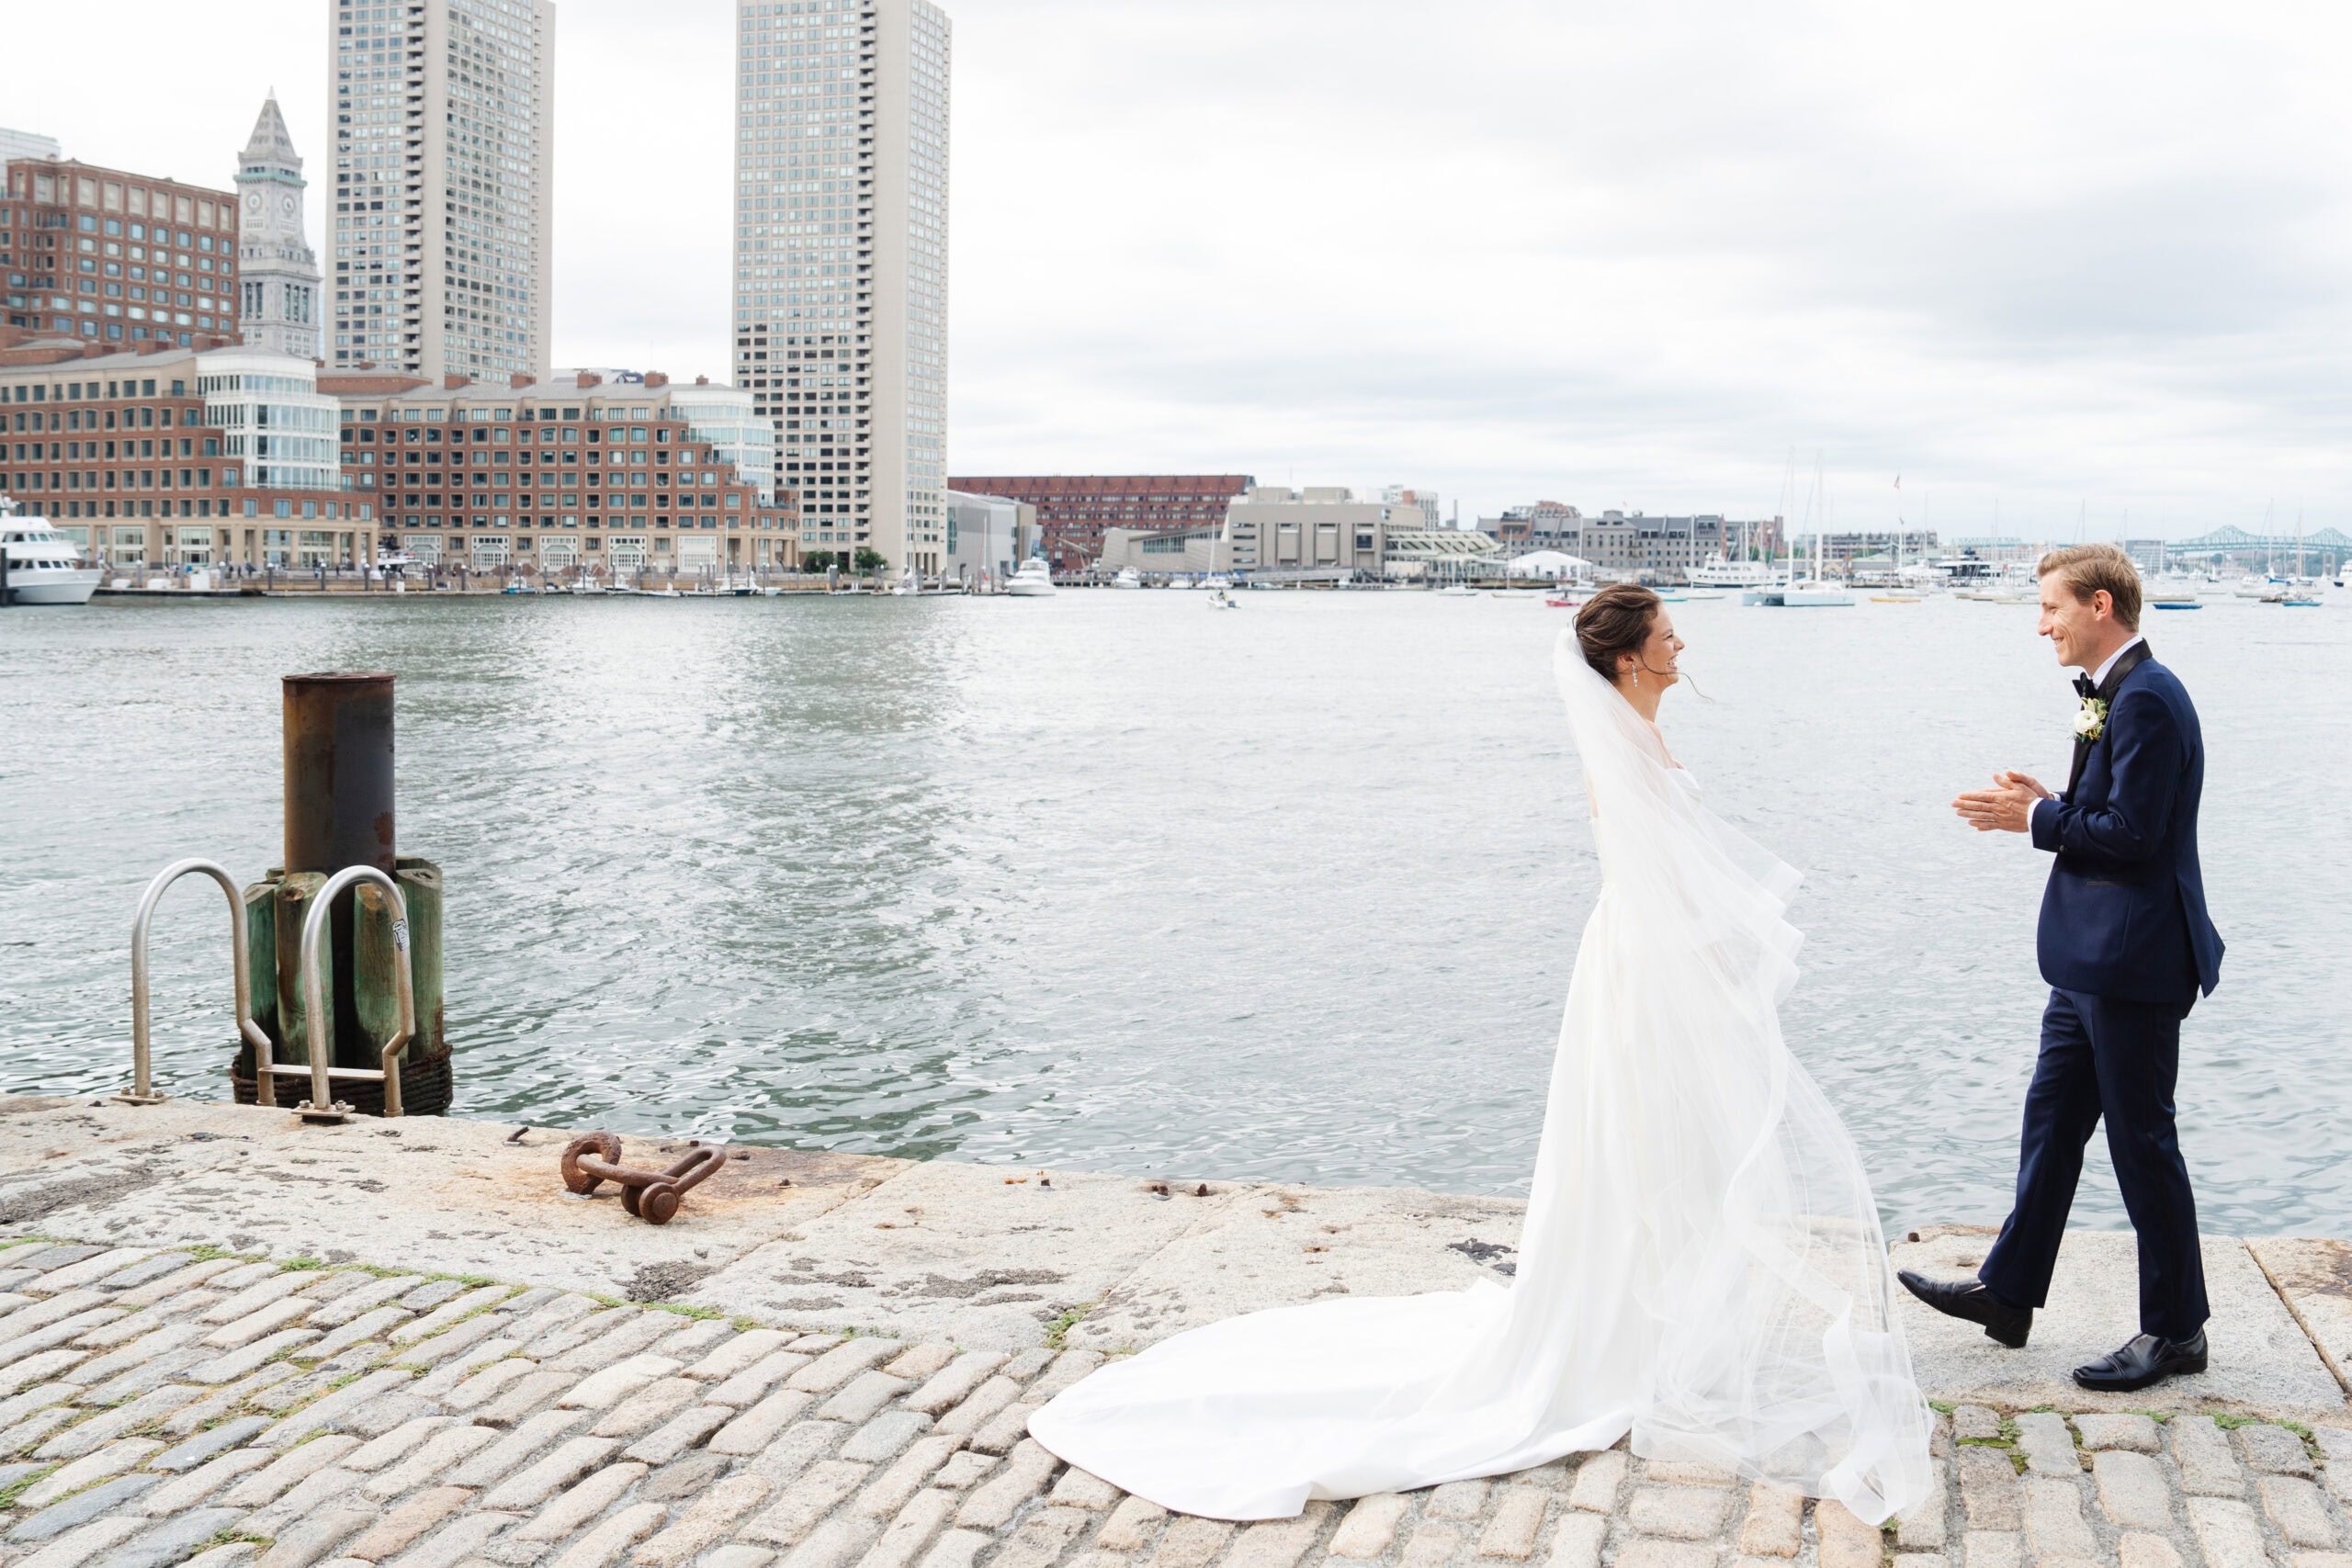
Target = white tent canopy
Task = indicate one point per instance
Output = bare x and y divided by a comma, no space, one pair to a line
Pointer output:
1549,564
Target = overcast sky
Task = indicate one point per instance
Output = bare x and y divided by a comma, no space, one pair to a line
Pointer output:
2084,262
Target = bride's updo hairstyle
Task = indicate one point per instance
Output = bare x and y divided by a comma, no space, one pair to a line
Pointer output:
1615,622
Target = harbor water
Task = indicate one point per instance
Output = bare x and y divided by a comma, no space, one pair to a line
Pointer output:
1108,880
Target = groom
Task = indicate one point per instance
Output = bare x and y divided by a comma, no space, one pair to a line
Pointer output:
2126,947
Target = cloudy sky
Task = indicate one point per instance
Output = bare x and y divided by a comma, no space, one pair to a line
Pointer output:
2085,263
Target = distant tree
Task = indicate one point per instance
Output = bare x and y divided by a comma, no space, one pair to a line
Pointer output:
818,560
870,559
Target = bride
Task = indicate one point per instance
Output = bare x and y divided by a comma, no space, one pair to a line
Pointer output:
1701,1265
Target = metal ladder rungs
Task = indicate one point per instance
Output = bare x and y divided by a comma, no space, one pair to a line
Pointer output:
314,1007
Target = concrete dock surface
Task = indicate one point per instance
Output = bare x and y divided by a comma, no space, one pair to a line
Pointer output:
227,1336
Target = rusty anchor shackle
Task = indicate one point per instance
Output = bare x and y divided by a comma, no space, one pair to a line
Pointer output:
652,1196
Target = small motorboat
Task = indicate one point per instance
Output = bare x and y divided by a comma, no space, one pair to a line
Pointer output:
1221,600
1034,580
1127,578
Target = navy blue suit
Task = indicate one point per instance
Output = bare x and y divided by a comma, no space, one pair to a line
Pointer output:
2127,948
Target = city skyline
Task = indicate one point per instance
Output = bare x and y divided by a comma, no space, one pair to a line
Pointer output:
1647,261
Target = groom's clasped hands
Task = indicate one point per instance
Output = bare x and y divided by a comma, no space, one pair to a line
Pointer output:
2007,807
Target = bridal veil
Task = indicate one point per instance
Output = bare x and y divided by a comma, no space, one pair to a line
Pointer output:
1701,1265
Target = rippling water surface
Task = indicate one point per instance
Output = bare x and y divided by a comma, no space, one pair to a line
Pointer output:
1111,881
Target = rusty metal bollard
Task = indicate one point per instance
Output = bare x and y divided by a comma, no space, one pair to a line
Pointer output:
338,766
652,1196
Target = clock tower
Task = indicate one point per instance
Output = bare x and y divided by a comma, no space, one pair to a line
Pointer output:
277,303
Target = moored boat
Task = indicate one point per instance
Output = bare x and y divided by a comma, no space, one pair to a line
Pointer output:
44,566
1034,580
1720,573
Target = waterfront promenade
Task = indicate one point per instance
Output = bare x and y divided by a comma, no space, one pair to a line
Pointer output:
226,1337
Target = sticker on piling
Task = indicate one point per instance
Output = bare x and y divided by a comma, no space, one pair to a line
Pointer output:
399,935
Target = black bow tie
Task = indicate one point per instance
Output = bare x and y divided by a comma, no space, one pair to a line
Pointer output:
2085,687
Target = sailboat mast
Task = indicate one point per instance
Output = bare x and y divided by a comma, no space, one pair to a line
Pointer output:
1820,517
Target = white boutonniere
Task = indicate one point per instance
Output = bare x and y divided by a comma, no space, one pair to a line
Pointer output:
2091,719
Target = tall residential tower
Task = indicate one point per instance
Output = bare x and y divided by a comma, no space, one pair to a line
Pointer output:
841,264
443,206
278,306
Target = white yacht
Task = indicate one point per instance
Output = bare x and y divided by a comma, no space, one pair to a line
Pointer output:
2014,583
1721,573
1128,577
1034,580
45,567
1805,593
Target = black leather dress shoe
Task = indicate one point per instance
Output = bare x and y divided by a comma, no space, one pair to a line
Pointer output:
2147,1360
1969,1299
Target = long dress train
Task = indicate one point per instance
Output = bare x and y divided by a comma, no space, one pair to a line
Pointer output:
1701,1264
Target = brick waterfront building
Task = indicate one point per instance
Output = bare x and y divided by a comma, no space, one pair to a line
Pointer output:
1074,509
642,474
116,258
165,456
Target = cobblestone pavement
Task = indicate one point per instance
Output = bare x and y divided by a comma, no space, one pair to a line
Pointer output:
162,1406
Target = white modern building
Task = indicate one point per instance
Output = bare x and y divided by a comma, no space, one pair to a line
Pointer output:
443,189
988,537
724,417
841,264
1195,551
273,417
277,303
28,144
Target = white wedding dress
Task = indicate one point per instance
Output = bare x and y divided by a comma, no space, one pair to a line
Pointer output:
1701,1265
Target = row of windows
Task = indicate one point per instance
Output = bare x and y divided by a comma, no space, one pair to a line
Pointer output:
483,457
89,223
200,507
131,478
77,451
549,435
79,391
89,264
99,419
